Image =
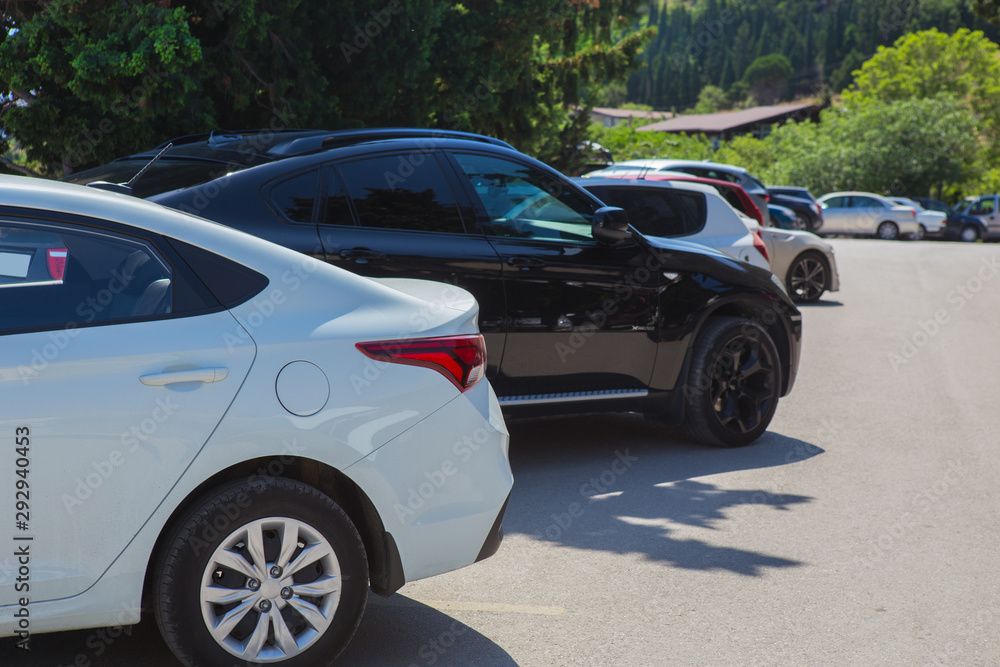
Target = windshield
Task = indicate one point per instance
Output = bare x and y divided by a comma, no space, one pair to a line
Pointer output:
164,176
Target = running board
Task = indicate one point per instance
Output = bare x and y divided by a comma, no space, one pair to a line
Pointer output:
570,396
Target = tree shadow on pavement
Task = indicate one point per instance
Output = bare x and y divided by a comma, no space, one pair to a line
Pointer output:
620,484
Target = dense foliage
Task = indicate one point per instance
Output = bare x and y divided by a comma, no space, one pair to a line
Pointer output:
714,42
84,81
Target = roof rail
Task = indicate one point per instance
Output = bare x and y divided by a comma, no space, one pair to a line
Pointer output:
223,136
347,137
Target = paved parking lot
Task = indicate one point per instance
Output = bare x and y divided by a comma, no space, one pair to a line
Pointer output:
861,529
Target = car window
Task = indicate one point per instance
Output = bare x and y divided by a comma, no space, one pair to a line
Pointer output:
982,207
336,210
54,277
657,211
865,202
525,202
166,175
295,198
406,191
834,202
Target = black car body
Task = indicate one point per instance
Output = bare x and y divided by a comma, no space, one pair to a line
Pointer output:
801,201
579,313
958,226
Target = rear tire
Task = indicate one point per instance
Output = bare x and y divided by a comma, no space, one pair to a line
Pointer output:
919,234
272,571
888,231
808,277
734,383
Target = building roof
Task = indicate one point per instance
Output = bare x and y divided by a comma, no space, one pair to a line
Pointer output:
726,120
630,113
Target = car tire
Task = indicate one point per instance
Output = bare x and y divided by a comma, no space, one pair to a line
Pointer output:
920,234
733,384
887,231
969,234
808,277
801,222
270,571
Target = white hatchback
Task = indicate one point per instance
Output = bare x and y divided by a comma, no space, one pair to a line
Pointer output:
244,436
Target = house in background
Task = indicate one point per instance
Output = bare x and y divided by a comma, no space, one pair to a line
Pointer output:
611,117
725,125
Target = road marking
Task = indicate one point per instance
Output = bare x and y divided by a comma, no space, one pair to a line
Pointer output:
497,607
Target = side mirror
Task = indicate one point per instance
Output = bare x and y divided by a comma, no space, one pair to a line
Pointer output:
610,226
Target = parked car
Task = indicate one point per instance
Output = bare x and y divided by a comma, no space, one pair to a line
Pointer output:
701,168
982,208
244,437
957,225
670,209
867,214
804,261
783,217
932,223
30,257
580,313
808,213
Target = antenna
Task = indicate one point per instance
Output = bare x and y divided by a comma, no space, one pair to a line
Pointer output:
126,188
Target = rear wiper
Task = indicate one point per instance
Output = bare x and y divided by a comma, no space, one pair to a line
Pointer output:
126,188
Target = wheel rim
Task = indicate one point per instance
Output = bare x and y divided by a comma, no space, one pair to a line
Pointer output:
920,233
744,378
887,231
808,279
270,590
800,222
969,234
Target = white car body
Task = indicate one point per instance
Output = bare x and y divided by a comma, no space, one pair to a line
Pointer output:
933,222
802,260
112,458
723,229
867,214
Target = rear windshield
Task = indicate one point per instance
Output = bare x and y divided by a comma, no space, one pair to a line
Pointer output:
164,176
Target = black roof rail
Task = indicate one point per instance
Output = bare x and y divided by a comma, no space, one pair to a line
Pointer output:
225,136
337,138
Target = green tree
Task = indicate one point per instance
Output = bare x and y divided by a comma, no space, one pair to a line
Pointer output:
922,65
83,83
767,77
711,99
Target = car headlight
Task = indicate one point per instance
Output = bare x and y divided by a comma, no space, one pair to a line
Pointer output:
777,283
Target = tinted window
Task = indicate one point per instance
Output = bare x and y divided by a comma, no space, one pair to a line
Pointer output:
336,210
524,202
295,198
865,202
52,277
835,202
164,176
402,192
229,282
657,211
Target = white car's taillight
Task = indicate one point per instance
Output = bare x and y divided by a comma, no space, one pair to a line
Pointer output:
461,359
758,243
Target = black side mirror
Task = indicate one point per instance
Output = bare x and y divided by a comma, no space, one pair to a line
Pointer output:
610,226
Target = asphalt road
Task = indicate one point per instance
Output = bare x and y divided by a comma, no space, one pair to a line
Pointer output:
862,529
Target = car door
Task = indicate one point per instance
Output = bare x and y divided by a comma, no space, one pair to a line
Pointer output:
866,214
581,315
401,215
115,371
837,215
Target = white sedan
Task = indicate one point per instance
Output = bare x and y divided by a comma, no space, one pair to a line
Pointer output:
867,214
931,222
253,435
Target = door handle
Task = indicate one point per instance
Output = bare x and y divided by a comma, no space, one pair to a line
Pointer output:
525,263
206,375
361,255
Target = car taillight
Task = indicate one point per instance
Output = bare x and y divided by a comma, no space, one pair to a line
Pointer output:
461,359
819,209
758,243
57,262
767,197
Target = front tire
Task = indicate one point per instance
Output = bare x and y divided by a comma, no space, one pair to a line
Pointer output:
808,277
969,234
734,383
272,572
888,231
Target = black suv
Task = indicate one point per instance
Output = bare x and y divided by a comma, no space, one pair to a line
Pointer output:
808,214
580,312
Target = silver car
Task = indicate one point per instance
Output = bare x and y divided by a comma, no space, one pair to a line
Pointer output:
867,214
